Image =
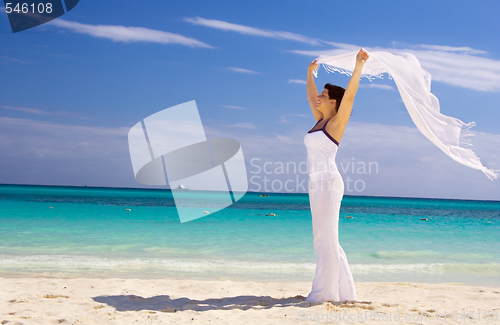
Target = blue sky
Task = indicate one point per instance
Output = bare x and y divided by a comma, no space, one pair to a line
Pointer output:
71,89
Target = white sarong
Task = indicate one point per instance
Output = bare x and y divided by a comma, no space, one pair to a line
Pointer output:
414,85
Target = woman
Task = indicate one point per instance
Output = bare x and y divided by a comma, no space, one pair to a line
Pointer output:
332,109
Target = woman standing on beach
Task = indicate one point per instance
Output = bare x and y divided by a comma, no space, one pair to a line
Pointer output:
332,109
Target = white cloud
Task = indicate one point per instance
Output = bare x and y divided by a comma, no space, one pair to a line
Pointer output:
6,59
53,139
284,138
463,70
315,54
37,152
379,86
246,30
285,118
297,81
404,163
458,66
242,70
413,166
26,109
233,107
128,34
445,48
42,112
345,46
243,126
340,48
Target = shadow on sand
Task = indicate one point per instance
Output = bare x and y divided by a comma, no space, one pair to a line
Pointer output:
164,303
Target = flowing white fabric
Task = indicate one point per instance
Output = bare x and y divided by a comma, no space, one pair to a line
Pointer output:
414,85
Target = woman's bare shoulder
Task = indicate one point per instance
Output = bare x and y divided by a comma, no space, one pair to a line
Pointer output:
335,128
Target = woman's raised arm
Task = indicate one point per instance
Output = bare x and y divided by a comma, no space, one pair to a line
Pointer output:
312,91
345,108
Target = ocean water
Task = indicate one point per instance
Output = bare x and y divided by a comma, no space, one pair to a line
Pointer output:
87,232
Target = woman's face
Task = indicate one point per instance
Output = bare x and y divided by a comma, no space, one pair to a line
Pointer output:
324,103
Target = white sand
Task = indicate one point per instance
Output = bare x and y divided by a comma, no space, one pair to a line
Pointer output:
131,301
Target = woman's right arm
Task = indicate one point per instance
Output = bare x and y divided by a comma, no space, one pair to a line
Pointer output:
312,91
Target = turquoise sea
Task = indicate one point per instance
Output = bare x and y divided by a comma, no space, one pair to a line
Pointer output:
87,232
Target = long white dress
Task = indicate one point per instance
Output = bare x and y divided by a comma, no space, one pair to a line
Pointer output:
333,280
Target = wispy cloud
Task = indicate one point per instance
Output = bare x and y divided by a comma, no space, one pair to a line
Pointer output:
407,163
344,46
404,162
285,118
83,154
445,48
458,66
314,54
247,30
127,34
242,70
379,86
233,107
284,138
242,126
297,81
26,110
6,59
463,70
42,112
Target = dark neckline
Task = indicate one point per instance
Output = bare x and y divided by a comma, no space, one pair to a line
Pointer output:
324,131
312,130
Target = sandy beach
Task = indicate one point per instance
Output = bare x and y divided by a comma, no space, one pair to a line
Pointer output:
134,301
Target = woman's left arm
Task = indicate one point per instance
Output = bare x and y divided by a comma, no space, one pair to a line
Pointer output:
345,108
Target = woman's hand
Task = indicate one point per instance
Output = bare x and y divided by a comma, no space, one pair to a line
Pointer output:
313,66
362,56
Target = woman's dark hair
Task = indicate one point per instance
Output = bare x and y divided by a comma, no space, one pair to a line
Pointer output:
335,92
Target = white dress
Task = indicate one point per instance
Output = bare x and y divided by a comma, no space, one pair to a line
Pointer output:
333,280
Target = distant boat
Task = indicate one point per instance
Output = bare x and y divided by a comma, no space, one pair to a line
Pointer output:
181,188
